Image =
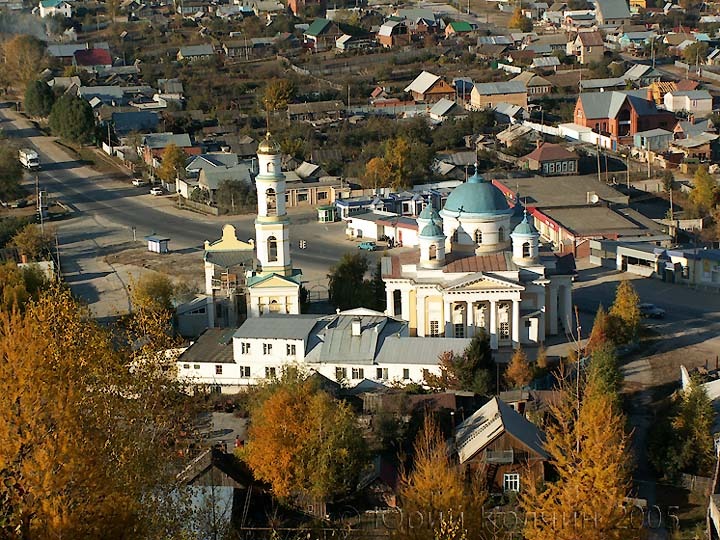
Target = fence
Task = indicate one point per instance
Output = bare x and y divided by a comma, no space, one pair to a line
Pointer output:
696,484
198,207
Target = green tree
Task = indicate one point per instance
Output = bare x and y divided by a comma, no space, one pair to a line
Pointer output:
303,442
695,53
34,242
347,287
39,98
705,191
604,367
18,286
173,163
72,119
472,371
11,172
236,196
625,314
519,21
276,97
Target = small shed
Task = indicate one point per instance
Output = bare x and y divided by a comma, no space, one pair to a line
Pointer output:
158,244
327,213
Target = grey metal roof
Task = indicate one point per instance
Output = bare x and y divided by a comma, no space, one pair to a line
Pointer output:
486,89
197,50
602,104
657,132
277,327
613,9
214,346
612,82
398,350
692,94
443,107
228,259
162,140
339,345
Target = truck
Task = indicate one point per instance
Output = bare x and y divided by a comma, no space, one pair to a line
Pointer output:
30,159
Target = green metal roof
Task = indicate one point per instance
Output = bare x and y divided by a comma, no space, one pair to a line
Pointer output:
317,27
429,213
461,26
525,228
477,196
432,230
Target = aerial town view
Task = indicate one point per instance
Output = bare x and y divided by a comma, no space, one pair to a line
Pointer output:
409,270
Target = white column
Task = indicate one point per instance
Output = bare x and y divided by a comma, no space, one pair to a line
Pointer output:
493,325
552,310
515,324
405,303
448,318
420,308
470,311
390,297
566,303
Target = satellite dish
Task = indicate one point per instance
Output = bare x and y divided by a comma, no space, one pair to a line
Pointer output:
594,199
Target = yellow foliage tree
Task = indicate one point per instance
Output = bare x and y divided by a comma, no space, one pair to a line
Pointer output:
34,242
84,438
519,372
304,443
520,21
25,58
377,173
173,163
589,453
437,490
625,314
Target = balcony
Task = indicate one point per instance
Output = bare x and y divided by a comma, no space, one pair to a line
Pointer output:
498,456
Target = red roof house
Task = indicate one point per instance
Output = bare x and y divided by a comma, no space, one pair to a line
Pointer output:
92,58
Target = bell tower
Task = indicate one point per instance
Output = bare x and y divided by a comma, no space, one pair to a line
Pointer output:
272,239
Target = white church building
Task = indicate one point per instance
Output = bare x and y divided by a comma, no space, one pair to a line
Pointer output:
476,268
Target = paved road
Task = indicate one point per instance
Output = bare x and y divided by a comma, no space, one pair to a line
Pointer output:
107,207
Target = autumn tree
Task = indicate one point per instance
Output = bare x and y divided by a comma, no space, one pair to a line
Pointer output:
705,191
348,288
25,58
376,174
173,163
600,333
625,314
20,285
474,370
86,441
150,323
520,21
10,172
304,443
695,53
682,440
604,367
541,361
276,97
72,119
39,99
519,372
436,489
34,242
589,453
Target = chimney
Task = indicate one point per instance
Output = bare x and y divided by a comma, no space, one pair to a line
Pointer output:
692,119
356,327
650,94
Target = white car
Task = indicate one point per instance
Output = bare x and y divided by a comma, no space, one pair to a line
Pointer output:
156,191
138,182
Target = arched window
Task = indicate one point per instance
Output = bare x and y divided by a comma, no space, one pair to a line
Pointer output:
271,198
526,250
270,167
433,252
455,235
501,235
478,237
272,249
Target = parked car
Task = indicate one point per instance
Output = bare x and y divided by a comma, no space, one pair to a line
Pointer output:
651,311
156,191
367,246
138,182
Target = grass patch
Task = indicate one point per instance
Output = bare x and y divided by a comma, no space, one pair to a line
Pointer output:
88,156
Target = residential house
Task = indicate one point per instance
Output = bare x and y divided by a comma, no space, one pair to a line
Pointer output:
535,85
589,47
655,140
534,10
552,160
612,12
321,34
506,113
658,89
514,133
458,29
703,147
92,59
192,53
348,347
642,75
636,40
547,44
697,102
430,88
317,111
298,6
486,95
210,160
211,177
577,21
267,9
65,52
50,8
446,108
346,42
692,127
249,48
545,63
191,7
499,445
394,32
153,145
114,96
125,123
555,13
619,115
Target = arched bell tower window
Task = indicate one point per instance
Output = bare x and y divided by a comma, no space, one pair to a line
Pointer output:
271,199
455,236
433,252
272,249
478,237
526,250
501,235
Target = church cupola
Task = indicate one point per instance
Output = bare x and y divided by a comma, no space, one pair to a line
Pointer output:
432,245
525,242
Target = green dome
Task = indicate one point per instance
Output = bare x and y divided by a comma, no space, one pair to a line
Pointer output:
432,230
477,196
525,227
429,213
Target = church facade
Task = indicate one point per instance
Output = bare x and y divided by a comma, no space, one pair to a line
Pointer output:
479,266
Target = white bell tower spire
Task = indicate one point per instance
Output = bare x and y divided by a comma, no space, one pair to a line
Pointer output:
271,225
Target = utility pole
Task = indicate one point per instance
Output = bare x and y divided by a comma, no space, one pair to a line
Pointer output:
577,381
627,166
597,154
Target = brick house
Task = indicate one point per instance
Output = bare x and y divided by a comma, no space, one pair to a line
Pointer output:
501,445
552,160
321,34
588,47
486,95
430,88
620,115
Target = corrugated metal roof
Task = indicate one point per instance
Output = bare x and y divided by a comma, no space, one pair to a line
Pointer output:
214,346
486,89
413,350
422,82
277,327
